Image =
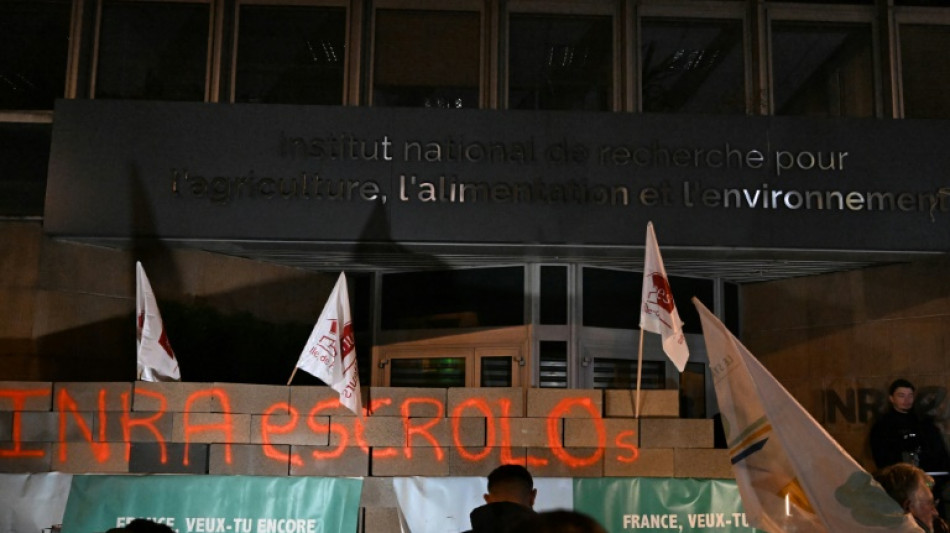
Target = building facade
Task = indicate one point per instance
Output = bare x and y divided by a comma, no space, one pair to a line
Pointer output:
484,172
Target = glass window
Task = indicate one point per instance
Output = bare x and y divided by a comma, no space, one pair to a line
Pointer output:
291,55
822,70
553,364
693,391
684,289
560,62
622,374
426,59
692,66
483,297
612,298
153,51
496,371
428,372
925,70
34,47
553,301
24,157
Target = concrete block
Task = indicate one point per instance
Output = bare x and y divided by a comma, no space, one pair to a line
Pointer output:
328,461
378,492
173,396
248,398
212,428
569,403
83,457
305,399
421,461
142,426
86,395
588,432
26,396
567,462
415,431
676,433
501,402
35,426
381,520
653,403
702,463
532,432
249,460
649,462
408,401
147,458
471,432
479,462
287,429
36,457
372,431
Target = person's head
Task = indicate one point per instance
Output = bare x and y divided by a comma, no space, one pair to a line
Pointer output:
511,483
901,395
142,525
562,521
910,487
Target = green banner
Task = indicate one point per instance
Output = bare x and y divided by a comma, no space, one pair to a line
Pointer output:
208,504
662,504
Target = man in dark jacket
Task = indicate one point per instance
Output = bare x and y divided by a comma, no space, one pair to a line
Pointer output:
509,501
900,436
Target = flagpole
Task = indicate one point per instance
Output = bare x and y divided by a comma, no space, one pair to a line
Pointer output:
292,374
639,372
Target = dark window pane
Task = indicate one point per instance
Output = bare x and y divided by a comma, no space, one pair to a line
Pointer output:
426,59
360,288
291,55
34,46
692,66
822,70
553,295
428,372
553,364
496,372
730,304
684,289
560,62
24,156
153,51
693,391
622,374
482,297
925,71
612,298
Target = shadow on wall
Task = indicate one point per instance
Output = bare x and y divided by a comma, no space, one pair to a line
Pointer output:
211,347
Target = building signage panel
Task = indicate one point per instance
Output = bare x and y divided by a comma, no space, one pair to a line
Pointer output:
346,174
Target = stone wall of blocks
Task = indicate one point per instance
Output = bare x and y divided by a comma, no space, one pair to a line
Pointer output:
231,429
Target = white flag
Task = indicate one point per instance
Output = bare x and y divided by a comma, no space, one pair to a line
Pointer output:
155,358
330,353
657,309
792,476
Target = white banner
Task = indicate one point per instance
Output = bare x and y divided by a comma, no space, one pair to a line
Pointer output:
442,504
32,503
